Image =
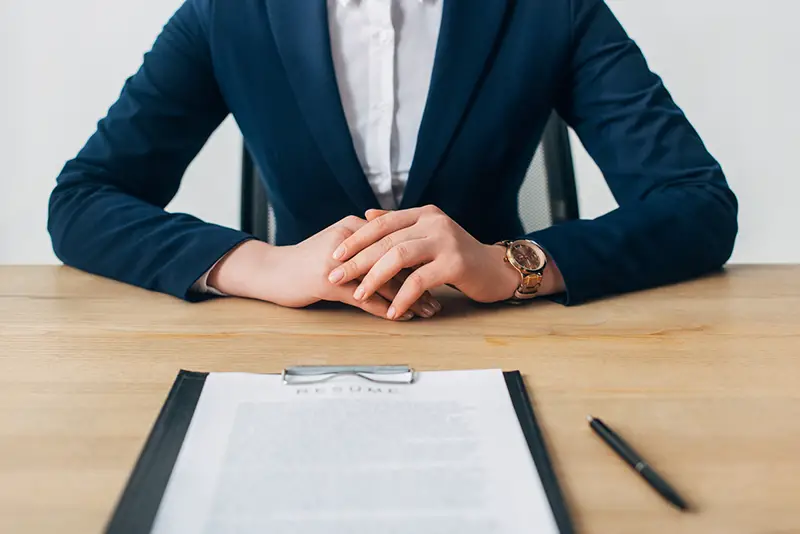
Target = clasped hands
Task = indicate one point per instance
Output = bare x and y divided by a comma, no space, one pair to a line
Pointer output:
384,264
387,263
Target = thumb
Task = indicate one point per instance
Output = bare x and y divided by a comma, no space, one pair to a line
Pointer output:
374,214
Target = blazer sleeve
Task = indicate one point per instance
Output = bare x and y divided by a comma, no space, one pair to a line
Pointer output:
106,213
677,217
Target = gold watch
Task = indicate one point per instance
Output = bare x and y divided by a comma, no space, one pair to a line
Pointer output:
530,260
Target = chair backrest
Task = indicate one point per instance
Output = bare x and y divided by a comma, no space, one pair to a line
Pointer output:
547,196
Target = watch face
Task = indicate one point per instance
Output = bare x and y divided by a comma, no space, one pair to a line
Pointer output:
527,255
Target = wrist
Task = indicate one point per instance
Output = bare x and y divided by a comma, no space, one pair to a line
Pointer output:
506,278
247,270
552,281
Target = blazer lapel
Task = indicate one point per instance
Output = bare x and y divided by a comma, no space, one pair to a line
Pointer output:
300,28
467,37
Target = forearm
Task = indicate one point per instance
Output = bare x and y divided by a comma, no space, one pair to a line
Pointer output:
552,281
669,237
100,229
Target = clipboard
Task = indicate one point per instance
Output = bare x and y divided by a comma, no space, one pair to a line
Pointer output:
138,505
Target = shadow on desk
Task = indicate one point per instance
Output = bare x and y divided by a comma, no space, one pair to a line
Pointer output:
454,305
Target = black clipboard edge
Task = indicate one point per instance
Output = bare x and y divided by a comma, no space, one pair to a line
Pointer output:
533,435
137,507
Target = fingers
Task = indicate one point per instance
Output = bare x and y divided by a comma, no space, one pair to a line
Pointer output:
374,230
426,306
426,301
424,278
351,222
358,266
405,255
371,215
375,305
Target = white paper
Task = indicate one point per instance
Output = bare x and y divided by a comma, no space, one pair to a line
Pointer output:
444,455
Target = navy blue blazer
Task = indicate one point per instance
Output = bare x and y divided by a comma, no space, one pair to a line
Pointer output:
501,67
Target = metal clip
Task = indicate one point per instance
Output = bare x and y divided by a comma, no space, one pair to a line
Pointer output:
379,374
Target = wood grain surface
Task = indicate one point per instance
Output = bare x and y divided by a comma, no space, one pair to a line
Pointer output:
703,378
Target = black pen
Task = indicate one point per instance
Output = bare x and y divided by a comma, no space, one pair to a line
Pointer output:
633,459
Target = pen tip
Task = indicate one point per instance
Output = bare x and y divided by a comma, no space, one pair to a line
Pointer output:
589,418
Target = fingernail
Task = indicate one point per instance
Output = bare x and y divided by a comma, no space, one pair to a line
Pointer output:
427,310
359,294
391,313
407,316
434,304
339,252
336,275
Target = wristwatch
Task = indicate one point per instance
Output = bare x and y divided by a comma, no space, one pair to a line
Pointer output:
529,259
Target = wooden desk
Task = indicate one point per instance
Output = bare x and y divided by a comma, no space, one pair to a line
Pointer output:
703,377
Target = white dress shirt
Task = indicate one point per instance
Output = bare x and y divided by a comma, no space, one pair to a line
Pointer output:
383,52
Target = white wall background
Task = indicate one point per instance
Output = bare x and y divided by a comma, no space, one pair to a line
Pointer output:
729,65
63,64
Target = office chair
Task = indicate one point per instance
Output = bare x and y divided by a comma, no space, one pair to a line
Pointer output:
547,196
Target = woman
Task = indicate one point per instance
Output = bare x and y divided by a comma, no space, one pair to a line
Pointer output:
393,137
